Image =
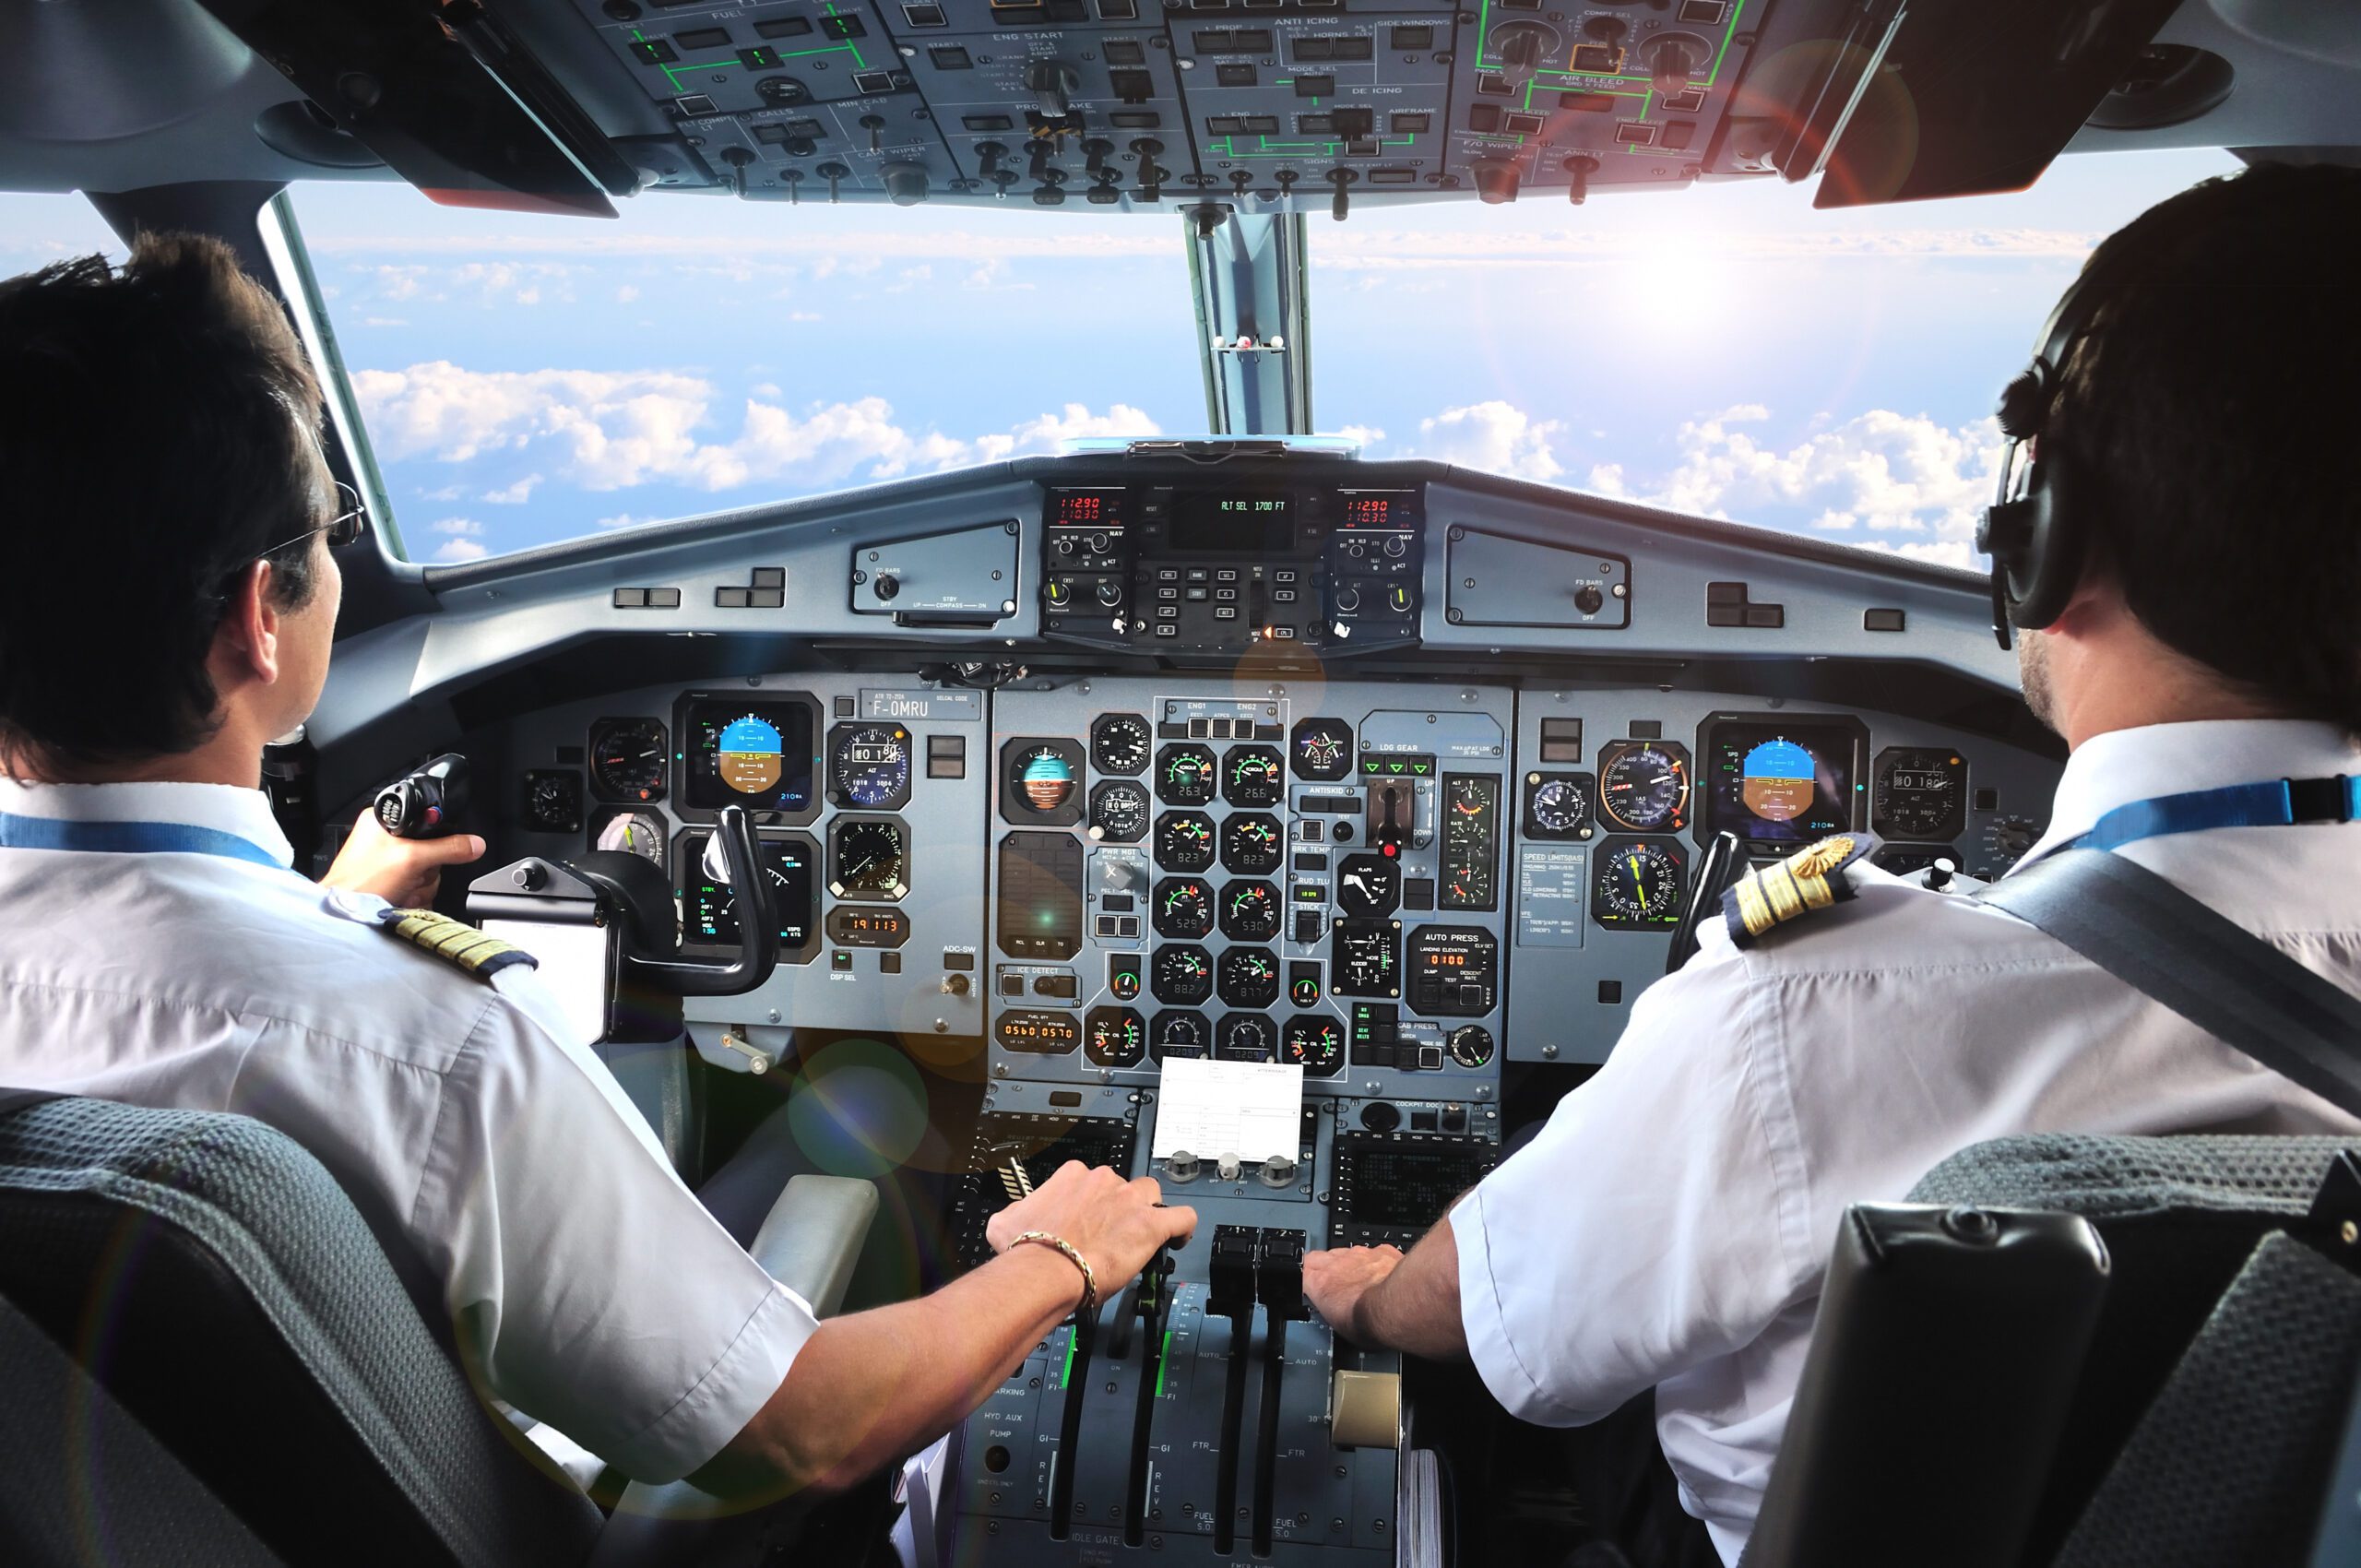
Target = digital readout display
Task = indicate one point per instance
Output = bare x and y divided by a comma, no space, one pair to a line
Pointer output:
710,915
1083,508
1231,523
1779,782
1374,512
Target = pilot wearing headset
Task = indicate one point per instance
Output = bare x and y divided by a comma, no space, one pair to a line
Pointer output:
2183,561
170,608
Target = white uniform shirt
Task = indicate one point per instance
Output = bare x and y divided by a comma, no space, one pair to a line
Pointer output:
588,1287
1671,1224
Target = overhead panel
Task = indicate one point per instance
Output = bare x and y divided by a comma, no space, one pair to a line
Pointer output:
1146,102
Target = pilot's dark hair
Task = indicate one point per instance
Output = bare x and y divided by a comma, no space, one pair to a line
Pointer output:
2212,411
156,424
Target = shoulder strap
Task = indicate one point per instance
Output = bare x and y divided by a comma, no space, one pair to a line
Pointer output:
2171,949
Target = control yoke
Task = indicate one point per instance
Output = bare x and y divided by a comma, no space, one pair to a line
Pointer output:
649,957
1724,863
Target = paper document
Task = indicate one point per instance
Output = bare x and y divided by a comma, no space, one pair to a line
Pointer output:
1252,1110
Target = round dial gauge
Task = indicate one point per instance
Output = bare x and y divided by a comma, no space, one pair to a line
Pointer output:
1177,1034
1114,1037
1920,793
1251,844
1317,1044
1368,885
1249,977
1184,774
1643,785
870,857
1558,806
1120,743
1243,1037
1181,906
634,833
1253,776
1117,811
627,759
1184,841
1470,1045
1321,748
1636,883
1043,778
1250,911
553,801
868,765
1181,974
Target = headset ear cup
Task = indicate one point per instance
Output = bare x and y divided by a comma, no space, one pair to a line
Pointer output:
2042,576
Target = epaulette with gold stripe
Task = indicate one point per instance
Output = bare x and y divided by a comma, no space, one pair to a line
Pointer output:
1813,878
454,942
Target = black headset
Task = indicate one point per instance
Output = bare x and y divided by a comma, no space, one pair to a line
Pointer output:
2038,528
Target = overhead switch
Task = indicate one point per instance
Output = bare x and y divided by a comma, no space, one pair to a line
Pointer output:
1496,180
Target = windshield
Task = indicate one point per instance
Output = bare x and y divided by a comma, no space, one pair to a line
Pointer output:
1727,352
530,380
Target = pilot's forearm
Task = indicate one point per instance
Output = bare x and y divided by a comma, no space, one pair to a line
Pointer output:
1416,1308
872,1388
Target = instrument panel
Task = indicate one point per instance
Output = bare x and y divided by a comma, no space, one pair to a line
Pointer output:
1410,784
1398,885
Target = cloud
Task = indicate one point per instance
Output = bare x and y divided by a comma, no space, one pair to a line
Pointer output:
624,520
460,550
1367,437
625,294
606,430
1495,437
1880,473
456,525
384,321
514,494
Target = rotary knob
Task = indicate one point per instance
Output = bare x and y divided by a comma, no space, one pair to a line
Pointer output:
1671,62
1226,1168
1059,593
1111,592
1348,599
1181,1167
1496,180
1278,1171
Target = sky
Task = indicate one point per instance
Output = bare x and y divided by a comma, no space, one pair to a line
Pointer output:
1724,350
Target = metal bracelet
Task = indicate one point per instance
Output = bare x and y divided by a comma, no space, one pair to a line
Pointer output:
1074,1255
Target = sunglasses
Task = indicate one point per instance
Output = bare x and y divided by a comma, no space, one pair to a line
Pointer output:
342,529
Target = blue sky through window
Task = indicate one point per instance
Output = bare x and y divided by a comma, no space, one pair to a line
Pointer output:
1725,350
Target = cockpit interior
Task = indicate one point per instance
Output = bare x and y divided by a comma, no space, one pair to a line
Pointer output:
1368,784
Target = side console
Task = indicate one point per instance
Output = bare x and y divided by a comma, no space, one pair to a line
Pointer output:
1182,569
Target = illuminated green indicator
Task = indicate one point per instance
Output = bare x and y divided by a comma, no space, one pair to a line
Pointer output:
1162,1361
1066,1376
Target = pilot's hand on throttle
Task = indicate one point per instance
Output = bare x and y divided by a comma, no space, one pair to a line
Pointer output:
1334,1282
1117,1225
403,871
